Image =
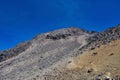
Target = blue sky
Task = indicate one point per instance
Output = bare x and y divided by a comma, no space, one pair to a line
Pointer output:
20,20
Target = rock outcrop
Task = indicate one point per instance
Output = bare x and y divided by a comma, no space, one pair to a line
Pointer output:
6,54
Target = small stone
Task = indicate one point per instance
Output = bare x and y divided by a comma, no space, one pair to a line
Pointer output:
99,77
37,75
90,70
95,53
69,61
92,48
111,54
33,78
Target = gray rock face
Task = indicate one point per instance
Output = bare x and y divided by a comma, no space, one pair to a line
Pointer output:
104,37
100,38
33,59
6,54
36,56
55,35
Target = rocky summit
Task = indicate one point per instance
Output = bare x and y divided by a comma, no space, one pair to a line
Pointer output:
65,54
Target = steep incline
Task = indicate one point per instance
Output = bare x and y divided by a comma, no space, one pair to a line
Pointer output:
66,54
100,58
44,51
101,38
100,63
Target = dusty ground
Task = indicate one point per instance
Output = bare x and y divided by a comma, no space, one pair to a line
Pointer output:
104,61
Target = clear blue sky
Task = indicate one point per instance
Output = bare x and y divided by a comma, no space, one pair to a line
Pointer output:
20,20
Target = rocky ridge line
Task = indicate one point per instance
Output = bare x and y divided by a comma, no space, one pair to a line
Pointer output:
6,54
54,35
101,38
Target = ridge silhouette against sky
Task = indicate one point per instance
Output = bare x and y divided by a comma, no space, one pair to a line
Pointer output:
21,20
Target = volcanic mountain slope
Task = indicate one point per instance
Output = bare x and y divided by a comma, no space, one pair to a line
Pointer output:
40,53
66,54
102,62
97,60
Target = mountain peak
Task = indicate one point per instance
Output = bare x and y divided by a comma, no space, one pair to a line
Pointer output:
62,33
63,53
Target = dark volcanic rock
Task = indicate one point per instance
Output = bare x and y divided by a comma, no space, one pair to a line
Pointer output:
57,37
105,36
6,54
101,38
64,33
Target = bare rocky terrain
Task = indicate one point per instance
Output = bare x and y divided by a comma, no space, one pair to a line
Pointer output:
65,54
